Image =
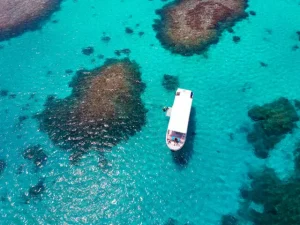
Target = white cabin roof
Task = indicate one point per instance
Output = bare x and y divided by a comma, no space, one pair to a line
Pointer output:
181,109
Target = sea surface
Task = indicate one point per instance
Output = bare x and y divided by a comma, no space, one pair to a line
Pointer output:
144,183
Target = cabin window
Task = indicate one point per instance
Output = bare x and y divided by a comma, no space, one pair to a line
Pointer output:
177,93
192,94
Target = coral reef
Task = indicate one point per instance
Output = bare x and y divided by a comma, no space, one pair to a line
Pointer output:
18,16
36,154
280,199
104,108
188,27
170,83
272,122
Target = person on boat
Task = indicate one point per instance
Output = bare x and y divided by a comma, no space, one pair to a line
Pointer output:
165,109
176,140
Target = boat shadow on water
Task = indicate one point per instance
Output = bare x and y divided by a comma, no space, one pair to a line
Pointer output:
183,156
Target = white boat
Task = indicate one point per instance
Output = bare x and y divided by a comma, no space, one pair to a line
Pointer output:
179,115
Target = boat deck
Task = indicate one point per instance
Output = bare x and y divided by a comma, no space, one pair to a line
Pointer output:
175,140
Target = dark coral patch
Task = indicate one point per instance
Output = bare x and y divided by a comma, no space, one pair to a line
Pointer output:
297,104
172,221
104,108
20,169
105,38
3,93
297,158
76,156
280,199
125,51
295,47
229,220
188,27
100,56
263,64
2,166
22,118
36,154
38,189
68,71
12,96
88,50
252,13
18,16
298,33
128,30
236,39
271,122
170,83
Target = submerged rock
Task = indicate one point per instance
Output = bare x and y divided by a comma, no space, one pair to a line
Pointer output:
189,26
17,16
104,108
170,83
36,154
280,199
271,122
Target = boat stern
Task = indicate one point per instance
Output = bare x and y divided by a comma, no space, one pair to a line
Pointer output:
175,140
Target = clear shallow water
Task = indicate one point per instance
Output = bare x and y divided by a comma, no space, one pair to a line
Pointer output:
143,182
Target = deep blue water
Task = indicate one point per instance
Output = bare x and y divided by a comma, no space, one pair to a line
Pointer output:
144,183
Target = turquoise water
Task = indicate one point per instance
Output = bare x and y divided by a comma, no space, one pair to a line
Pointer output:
143,182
